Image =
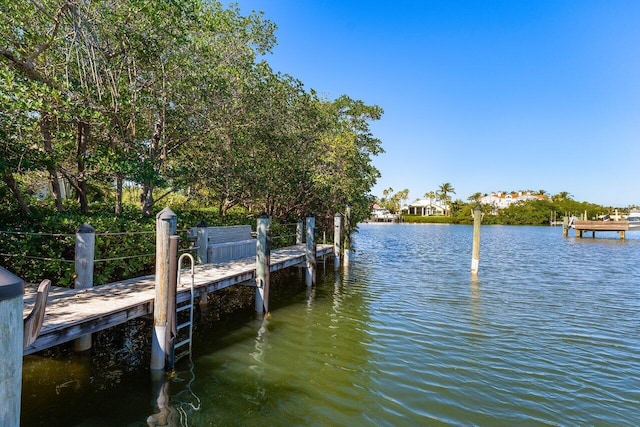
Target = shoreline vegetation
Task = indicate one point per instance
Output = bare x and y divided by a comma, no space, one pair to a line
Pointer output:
544,210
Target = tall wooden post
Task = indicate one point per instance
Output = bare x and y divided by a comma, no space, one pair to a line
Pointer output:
84,258
347,235
165,226
565,226
475,252
11,343
202,242
263,261
311,251
299,232
337,239
172,328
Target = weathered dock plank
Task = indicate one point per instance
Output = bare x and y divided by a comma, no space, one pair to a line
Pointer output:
72,313
602,225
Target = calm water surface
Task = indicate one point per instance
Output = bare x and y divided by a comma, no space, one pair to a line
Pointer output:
547,334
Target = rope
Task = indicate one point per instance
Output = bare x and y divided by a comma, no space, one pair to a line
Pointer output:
107,233
123,257
27,233
37,257
280,236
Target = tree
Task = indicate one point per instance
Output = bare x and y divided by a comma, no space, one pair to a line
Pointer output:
563,195
444,190
475,197
169,96
431,195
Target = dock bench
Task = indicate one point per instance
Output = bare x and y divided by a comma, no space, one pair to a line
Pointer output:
224,243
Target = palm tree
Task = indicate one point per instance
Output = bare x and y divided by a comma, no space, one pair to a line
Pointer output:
475,197
444,191
563,195
430,195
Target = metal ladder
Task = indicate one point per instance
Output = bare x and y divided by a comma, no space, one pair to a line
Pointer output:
185,306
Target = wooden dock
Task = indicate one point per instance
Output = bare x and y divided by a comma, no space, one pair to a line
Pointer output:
593,226
73,313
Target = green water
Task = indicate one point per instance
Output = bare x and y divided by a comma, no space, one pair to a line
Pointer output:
546,335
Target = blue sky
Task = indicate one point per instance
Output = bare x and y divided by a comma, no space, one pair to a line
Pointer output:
485,95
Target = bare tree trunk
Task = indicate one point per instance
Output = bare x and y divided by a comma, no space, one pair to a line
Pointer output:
146,199
119,181
45,128
146,194
13,186
82,143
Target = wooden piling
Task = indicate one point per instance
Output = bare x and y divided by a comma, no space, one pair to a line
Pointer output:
11,342
311,251
165,226
337,239
347,235
202,242
263,260
84,259
299,232
475,252
172,329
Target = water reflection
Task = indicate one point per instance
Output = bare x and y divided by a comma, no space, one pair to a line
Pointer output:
160,396
173,410
474,284
261,346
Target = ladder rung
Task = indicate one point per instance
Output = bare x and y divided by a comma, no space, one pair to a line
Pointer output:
183,342
183,308
183,325
181,355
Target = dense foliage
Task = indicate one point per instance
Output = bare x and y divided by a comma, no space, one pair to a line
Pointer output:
101,99
169,97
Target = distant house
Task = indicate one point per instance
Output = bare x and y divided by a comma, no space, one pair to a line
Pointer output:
425,207
501,200
379,214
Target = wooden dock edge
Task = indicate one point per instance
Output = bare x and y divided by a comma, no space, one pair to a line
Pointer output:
53,335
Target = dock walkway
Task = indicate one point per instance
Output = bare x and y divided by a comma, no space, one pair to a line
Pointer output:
72,313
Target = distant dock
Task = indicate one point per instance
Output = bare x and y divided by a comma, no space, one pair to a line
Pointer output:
582,226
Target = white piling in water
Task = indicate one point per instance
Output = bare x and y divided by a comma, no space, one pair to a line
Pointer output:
165,226
475,252
337,239
11,343
84,259
347,235
311,251
263,261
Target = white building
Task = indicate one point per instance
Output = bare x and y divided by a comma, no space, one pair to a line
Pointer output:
379,214
501,200
424,207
